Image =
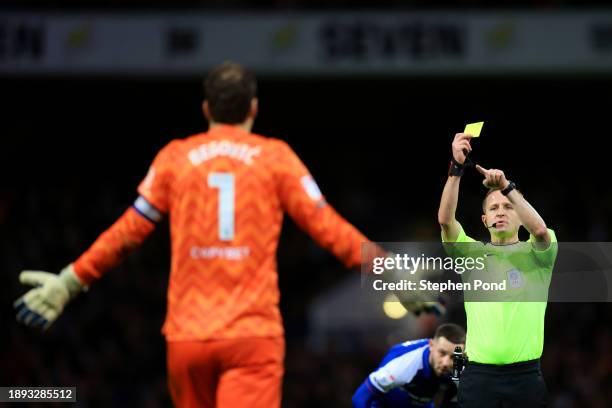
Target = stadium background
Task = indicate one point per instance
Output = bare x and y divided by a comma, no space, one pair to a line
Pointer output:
74,149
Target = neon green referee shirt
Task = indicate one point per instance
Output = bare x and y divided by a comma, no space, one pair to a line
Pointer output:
509,331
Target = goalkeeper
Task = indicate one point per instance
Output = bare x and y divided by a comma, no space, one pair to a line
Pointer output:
504,339
225,192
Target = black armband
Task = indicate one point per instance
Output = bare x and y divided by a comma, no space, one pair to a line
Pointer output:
456,169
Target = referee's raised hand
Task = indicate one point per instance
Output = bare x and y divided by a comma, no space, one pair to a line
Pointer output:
494,178
461,147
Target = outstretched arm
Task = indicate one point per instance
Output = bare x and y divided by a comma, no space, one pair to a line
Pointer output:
112,246
41,306
450,195
302,200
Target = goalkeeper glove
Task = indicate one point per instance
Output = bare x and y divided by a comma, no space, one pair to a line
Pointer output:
41,306
415,301
417,308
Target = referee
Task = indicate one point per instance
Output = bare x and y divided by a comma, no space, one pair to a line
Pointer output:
504,339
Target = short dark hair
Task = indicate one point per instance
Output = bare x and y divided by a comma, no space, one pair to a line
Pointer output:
452,332
229,89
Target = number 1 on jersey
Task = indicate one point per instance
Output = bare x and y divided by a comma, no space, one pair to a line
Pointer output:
225,183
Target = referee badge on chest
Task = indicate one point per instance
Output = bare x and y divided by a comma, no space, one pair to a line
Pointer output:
515,278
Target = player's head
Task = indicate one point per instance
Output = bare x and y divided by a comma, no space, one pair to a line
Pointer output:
230,95
497,209
441,347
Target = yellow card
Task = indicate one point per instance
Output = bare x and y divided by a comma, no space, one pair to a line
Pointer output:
473,128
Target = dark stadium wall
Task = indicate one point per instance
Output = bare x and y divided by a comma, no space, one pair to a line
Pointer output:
383,140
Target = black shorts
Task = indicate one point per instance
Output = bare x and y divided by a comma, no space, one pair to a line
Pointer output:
502,386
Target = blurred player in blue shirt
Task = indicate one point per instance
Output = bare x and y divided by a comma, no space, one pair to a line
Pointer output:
414,374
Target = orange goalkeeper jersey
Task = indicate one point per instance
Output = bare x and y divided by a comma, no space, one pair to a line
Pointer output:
225,192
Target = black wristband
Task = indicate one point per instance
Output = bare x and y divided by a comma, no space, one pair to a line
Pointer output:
507,190
456,169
